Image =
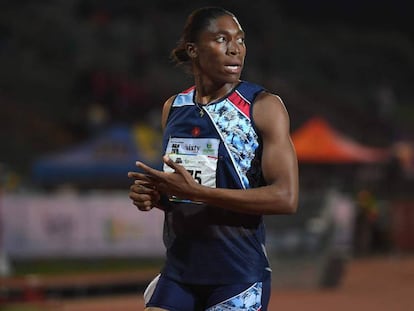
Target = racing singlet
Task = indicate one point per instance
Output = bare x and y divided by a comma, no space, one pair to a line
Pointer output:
220,147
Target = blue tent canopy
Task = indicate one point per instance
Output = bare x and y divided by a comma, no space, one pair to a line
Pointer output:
102,161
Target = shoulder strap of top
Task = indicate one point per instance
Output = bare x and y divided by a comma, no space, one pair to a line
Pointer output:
249,90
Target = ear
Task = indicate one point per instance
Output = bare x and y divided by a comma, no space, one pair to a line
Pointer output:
191,50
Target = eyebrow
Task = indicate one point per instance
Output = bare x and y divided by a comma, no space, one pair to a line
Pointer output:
226,32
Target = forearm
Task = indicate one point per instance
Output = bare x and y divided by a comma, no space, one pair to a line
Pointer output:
264,200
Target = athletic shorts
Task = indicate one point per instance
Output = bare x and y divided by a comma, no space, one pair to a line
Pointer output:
171,295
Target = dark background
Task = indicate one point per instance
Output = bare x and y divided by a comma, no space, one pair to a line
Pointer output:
69,69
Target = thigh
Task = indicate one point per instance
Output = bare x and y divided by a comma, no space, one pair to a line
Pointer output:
165,294
239,297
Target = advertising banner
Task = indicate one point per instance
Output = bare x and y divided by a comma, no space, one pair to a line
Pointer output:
73,225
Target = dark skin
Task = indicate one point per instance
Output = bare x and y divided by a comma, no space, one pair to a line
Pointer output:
217,59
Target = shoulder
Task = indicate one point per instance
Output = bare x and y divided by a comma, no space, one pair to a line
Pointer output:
170,101
266,98
268,110
266,101
179,98
166,110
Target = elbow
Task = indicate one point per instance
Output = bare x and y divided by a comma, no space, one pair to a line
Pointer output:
288,205
291,199
292,202
291,208
283,201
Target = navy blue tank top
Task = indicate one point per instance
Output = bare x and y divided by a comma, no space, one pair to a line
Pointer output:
207,244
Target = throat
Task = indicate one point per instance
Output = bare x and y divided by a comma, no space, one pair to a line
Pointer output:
204,96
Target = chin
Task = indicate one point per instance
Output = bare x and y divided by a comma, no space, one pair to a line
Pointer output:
232,79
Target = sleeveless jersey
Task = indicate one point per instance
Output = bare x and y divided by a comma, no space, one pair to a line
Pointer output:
220,147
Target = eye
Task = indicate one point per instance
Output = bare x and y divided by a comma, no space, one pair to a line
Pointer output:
221,39
240,40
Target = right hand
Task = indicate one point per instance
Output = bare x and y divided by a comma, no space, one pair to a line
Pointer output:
143,193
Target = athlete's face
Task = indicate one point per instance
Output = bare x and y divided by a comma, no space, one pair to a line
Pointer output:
220,51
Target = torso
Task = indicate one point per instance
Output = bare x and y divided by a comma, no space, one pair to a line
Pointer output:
219,144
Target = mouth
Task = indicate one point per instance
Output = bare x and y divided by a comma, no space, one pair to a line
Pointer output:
234,68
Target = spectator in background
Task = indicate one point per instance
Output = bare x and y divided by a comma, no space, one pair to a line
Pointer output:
366,222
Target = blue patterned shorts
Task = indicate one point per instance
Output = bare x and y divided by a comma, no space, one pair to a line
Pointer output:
168,294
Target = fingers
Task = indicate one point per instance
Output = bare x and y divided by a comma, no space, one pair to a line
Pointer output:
175,166
143,196
167,160
139,176
143,206
151,173
147,186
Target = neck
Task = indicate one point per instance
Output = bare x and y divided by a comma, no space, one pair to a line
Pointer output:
208,93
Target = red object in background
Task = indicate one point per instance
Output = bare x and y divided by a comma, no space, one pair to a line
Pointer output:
317,142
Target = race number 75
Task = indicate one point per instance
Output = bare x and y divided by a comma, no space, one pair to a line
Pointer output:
196,175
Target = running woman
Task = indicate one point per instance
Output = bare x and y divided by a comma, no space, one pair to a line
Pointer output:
228,161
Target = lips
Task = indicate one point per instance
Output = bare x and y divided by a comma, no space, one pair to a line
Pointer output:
233,68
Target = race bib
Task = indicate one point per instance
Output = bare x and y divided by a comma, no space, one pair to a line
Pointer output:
198,156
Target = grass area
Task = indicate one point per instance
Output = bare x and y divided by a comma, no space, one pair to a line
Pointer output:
69,266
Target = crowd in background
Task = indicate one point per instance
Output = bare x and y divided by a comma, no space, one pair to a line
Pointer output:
72,68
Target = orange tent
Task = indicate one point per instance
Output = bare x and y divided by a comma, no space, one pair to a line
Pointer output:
317,142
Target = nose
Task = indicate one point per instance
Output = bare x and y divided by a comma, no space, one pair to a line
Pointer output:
233,48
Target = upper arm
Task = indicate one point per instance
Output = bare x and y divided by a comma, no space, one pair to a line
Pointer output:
279,161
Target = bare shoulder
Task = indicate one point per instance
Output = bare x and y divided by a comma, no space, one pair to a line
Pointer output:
168,102
269,110
166,110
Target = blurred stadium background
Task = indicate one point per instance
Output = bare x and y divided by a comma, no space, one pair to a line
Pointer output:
82,83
